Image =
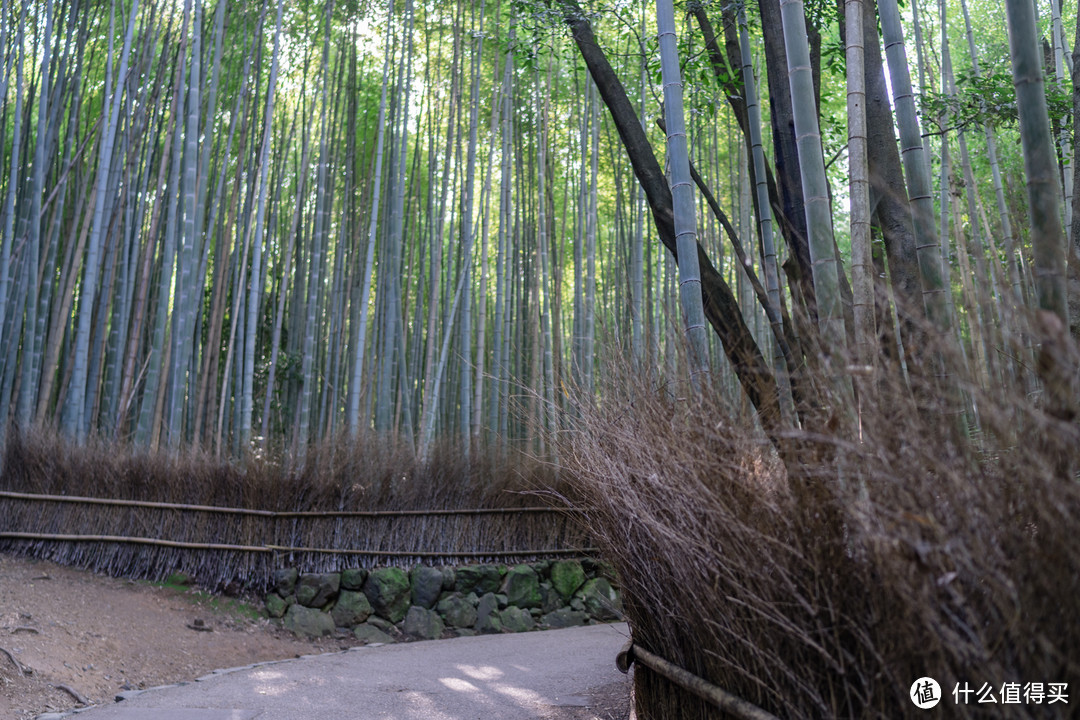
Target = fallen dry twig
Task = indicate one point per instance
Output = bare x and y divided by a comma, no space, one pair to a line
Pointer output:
22,668
79,697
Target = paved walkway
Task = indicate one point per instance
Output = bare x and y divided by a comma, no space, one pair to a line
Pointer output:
502,677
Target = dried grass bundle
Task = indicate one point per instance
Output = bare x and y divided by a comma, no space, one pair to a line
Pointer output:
901,547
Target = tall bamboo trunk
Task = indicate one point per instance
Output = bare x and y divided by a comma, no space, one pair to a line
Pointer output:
682,194
255,290
862,265
316,260
764,210
465,348
8,240
1040,166
814,182
355,386
186,251
30,371
916,167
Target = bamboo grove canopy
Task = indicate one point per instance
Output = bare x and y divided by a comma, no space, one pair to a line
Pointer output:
232,224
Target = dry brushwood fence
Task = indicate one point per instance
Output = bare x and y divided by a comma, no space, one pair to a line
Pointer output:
121,513
824,587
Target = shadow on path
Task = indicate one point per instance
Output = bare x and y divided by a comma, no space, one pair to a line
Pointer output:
525,675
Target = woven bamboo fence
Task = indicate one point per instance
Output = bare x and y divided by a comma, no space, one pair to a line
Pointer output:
148,516
219,545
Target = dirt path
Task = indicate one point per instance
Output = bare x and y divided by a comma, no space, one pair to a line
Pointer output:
99,635
92,636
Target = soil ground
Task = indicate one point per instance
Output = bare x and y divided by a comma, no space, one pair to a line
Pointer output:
80,638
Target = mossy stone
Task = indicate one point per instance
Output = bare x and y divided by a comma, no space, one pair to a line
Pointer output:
368,634
522,587
480,579
600,600
487,615
385,625
423,624
387,590
515,619
276,605
426,583
566,577
315,590
457,611
352,608
564,618
308,621
353,578
285,581
550,599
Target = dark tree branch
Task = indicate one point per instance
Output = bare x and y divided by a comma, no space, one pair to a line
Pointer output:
771,312
721,308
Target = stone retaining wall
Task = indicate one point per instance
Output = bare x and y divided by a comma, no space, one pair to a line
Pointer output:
387,604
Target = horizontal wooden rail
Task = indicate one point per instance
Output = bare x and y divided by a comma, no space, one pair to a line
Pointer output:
273,513
286,549
132,541
725,701
469,553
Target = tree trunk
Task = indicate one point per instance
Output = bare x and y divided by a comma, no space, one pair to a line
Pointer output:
316,262
786,159
255,291
720,306
763,206
183,319
814,183
30,374
888,196
353,412
1040,166
916,167
8,241
862,264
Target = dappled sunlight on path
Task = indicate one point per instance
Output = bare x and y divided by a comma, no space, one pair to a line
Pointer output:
526,675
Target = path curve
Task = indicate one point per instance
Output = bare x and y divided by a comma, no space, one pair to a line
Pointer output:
507,677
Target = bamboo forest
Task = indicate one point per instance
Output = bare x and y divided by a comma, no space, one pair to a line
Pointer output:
782,296
230,224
